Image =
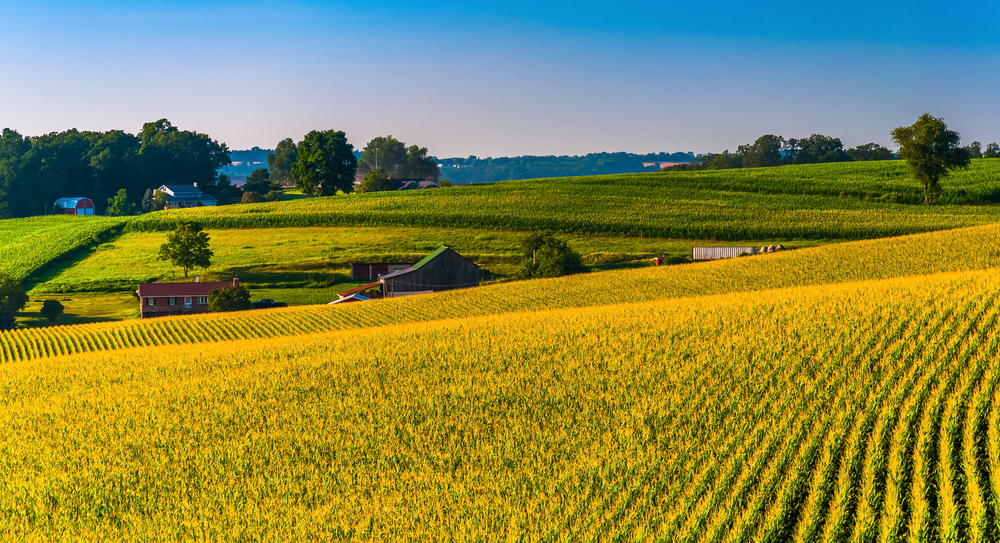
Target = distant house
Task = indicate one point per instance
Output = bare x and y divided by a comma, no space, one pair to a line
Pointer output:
163,299
74,206
363,270
182,196
413,184
444,269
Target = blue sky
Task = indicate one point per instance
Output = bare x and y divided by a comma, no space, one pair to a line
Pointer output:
509,78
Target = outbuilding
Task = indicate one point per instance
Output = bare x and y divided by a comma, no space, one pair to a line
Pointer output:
74,206
444,269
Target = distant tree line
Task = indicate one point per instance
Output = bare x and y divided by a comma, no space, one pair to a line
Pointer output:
771,150
36,171
487,170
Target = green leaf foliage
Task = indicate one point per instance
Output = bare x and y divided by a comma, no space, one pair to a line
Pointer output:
229,299
7,319
548,256
326,164
119,206
187,247
51,309
12,294
376,181
931,151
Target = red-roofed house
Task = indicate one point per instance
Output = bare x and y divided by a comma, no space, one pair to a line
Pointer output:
162,299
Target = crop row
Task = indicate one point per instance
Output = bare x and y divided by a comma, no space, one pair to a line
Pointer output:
754,204
855,412
27,245
975,248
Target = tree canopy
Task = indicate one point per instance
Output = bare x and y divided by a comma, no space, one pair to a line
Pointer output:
326,163
119,206
545,255
281,160
398,161
35,172
187,247
376,181
225,299
51,309
931,151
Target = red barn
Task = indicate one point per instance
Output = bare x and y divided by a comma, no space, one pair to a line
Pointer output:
74,206
163,299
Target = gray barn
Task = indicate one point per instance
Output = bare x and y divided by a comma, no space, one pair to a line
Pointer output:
444,269
716,253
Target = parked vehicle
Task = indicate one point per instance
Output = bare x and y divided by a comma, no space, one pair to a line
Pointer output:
267,303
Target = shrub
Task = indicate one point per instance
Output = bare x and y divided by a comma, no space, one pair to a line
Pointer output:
252,198
229,299
51,309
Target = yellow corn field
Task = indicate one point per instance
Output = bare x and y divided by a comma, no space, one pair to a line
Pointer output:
845,412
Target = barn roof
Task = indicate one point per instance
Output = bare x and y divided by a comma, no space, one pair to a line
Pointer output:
362,288
72,201
430,257
351,298
180,289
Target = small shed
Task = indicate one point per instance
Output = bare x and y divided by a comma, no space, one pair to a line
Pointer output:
444,269
74,206
717,253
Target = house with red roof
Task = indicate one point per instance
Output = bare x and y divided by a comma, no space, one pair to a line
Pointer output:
163,299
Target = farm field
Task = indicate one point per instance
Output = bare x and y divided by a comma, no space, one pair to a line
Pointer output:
80,308
27,245
824,413
296,257
967,249
783,203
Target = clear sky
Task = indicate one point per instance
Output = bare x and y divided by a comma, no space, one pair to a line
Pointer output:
504,78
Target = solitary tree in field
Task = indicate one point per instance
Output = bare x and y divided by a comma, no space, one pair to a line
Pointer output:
51,309
325,164
187,247
931,151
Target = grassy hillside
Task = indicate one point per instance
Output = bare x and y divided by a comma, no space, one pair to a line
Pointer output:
957,250
28,245
820,413
790,202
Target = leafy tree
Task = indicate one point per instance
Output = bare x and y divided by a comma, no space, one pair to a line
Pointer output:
51,309
181,157
326,164
766,151
12,295
931,151
384,153
281,160
252,198
259,181
975,149
187,247
119,206
376,181
274,196
992,151
147,201
418,164
815,149
548,256
870,151
8,321
229,299
159,201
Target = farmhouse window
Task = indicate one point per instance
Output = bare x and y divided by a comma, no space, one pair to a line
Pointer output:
172,300
187,302
203,300
150,301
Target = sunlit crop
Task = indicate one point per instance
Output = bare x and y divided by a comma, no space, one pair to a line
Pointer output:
826,413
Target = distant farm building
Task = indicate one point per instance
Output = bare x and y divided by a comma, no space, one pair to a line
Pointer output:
74,206
717,253
361,270
368,292
444,269
413,184
182,196
163,299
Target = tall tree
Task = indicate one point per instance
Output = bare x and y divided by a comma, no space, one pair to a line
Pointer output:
384,153
975,149
766,151
181,157
376,181
187,247
281,160
992,151
119,206
931,151
815,149
418,164
326,163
